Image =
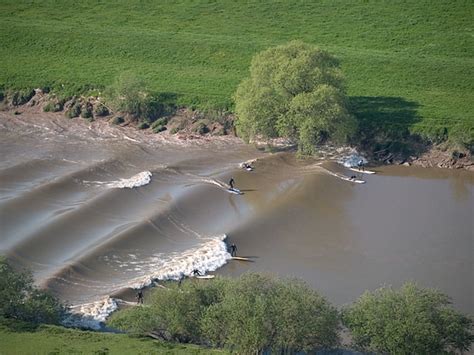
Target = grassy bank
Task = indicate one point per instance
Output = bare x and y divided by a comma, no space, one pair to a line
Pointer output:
19,338
408,64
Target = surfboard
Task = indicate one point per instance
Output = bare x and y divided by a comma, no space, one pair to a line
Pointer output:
241,258
249,168
362,171
235,191
355,181
206,277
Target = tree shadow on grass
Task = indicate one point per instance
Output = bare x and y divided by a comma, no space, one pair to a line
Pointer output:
384,126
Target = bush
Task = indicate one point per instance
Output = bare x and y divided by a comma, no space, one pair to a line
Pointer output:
159,125
100,110
130,94
19,299
249,314
411,320
201,128
259,313
143,125
21,97
117,120
53,106
174,130
74,110
86,112
295,91
137,321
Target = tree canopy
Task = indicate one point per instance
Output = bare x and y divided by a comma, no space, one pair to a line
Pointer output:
411,320
296,91
20,299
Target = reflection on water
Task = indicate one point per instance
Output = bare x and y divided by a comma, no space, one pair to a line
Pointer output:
84,239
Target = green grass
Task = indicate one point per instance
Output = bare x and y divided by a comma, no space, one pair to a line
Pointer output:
18,338
419,52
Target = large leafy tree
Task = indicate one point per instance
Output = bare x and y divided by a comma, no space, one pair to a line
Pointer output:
20,299
411,320
297,91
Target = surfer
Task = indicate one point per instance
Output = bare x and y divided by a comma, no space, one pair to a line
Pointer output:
231,183
140,297
196,272
353,177
360,165
233,250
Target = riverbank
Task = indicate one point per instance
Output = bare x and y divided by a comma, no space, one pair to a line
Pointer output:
185,127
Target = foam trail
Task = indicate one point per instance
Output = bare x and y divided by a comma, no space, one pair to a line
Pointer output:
208,256
140,179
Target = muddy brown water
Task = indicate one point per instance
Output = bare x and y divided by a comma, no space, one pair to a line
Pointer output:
84,239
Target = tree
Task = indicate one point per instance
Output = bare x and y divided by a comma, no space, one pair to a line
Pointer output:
19,299
297,91
258,313
411,320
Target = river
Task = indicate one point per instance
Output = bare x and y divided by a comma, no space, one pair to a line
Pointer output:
94,209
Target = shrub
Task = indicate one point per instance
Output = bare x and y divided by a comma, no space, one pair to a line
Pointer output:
143,125
19,299
53,106
296,91
158,129
100,110
86,112
249,314
21,97
201,128
174,130
137,321
74,110
411,320
259,313
129,93
159,125
117,120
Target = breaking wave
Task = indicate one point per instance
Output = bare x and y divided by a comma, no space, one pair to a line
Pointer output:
206,257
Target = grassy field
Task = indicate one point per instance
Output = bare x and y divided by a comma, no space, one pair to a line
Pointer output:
16,339
410,61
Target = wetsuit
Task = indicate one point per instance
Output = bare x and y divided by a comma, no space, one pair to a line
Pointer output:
231,183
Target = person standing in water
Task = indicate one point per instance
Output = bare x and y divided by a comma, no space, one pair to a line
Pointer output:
233,250
231,183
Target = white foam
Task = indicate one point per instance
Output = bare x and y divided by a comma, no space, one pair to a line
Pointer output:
138,180
207,256
91,315
352,160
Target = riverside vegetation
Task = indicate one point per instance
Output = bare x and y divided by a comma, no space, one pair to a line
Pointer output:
250,314
408,65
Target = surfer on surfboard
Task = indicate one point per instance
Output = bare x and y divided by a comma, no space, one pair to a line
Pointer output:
360,165
231,183
196,272
233,250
